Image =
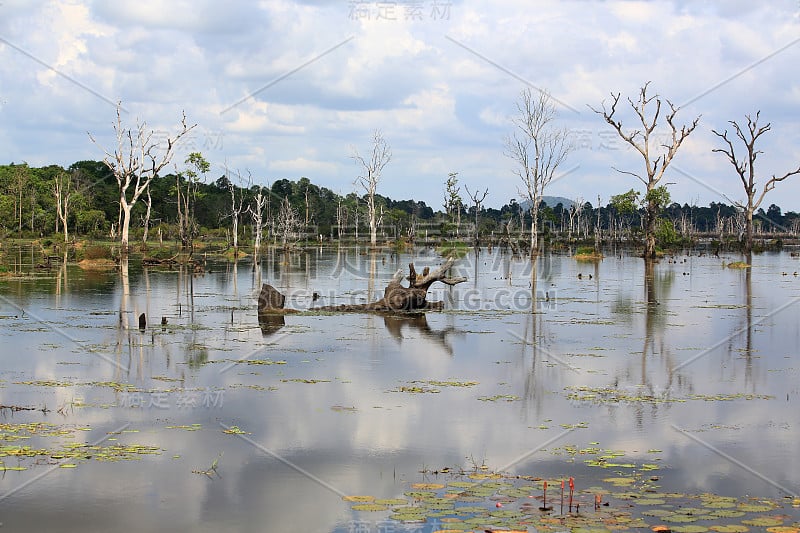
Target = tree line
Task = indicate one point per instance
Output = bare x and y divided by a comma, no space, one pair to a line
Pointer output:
29,197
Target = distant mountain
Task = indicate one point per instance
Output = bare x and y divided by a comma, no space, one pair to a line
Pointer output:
551,201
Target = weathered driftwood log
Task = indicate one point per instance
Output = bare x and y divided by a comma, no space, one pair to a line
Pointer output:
396,297
155,261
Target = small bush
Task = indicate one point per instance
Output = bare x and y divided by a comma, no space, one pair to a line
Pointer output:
588,253
97,252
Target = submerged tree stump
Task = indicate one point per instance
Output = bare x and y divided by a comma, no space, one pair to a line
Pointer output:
270,299
396,297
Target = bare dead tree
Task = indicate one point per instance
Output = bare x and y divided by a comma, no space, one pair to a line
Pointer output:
477,199
62,190
745,168
538,148
237,206
372,168
411,231
452,200
308,207
575,211
642,139
356,216
21,177
256,210
32,198
148,201
341,216
135,162
288,223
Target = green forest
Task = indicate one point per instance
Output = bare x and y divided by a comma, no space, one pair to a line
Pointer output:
29,209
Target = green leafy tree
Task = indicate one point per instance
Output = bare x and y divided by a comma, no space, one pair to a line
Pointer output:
186,187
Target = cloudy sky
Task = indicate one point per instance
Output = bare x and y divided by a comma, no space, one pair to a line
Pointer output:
287,89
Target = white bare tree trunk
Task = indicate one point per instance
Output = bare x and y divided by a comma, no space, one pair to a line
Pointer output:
643,141
126,221
257,213
237,205
62,190
745,168
146,223
538,148
372,168
135,162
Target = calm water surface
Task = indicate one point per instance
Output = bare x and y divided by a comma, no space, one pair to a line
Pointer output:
693,367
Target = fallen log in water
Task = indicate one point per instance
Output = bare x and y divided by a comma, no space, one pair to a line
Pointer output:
396,297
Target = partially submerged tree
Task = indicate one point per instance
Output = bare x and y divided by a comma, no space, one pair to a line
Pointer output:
288,223
642,139
62,191
148,202
575,212
477,199
256,210
187,198
341,217
135,162
21,176
452,200
745,168
538,148
237,206
372,167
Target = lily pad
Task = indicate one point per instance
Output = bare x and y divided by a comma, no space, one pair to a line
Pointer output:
763,521
427,486
369,507
732,528
359,499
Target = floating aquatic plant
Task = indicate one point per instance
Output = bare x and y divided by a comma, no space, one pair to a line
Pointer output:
491,501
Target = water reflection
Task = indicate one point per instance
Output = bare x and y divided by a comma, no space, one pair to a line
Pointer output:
334,407
270,323
748,319
418,322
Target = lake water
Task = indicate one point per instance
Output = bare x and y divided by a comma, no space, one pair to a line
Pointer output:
686,379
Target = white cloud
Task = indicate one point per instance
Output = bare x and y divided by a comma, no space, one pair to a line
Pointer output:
302,166
442,106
